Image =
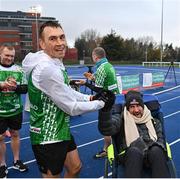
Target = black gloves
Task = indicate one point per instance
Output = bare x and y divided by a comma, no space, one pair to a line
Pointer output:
108,97
73,82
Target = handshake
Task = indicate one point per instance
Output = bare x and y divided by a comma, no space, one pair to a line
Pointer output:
108,97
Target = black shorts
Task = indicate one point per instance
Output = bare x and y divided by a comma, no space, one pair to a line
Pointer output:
52,156
13,122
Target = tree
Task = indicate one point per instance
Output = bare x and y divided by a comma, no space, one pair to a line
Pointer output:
113,46
169,53
80,44
178,54
88,40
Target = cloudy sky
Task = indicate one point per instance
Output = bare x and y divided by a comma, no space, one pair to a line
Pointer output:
128,18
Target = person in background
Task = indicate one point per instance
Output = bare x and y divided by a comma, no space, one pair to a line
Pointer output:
104,78
52,102
12,84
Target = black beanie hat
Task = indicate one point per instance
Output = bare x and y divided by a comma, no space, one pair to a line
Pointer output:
133,97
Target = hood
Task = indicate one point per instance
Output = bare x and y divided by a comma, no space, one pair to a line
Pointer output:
31,60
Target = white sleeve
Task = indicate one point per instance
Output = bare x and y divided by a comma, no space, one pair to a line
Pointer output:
80,96
51,82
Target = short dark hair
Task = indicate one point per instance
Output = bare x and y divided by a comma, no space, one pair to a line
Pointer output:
53,24
9,47
99,52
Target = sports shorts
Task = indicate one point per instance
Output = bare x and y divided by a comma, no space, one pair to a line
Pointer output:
52,156
13,122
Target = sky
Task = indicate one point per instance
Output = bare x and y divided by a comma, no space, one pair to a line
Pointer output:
128,18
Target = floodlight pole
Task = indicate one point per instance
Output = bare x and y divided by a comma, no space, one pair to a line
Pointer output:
161,55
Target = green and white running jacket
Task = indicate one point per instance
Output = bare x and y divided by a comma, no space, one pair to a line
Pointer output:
10,101
52,100
105,76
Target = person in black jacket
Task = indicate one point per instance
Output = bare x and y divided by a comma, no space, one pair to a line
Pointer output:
141,138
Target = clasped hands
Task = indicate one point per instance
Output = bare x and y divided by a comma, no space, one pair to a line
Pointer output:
105,95
108,97
9,84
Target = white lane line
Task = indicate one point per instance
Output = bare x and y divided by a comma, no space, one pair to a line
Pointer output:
169,100
24,138
86,123
174,142
92,142
164,91
25,123
172,114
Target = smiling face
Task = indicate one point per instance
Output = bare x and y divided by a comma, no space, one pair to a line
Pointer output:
136,110
7,56
53,42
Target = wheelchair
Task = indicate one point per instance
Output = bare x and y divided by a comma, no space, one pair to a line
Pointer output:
113,165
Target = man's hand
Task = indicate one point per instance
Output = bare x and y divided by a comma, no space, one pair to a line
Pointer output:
12,81
80,82
108,97
9,84
89,76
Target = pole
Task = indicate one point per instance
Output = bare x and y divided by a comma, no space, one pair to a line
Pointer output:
161,55
37,32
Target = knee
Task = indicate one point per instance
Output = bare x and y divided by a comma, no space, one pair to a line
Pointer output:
75,169
156,152
1,138
133,154
134,151
14,133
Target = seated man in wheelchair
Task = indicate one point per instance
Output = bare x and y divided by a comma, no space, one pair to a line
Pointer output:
142,138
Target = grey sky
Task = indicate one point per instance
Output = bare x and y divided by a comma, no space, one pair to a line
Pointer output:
129,18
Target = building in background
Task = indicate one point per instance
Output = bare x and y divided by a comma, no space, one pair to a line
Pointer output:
20,29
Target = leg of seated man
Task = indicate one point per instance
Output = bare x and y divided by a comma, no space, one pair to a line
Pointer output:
133,163
72,164
158,162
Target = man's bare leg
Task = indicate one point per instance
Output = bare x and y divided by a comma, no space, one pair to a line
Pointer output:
15,143
72,164
2,150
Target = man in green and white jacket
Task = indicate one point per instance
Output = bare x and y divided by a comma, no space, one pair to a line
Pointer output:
12,84
105,78
52,102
